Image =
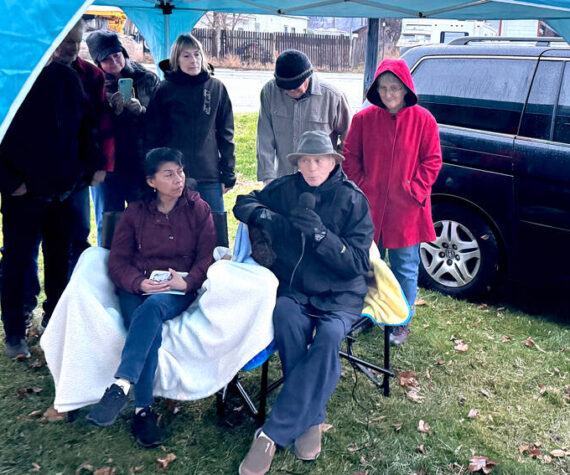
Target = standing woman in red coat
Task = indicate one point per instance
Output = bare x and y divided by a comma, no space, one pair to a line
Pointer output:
392,153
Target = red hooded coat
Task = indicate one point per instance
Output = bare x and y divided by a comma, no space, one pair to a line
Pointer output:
395,159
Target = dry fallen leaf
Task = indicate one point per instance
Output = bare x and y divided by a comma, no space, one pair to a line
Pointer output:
420,302
326,427
36,467
85,466
460,346
546,459
353,448
397,427
162,464
137,469
558,453
51,415
472,413
428,375
479,462
530,342
483,305
486,393
423,426
421,448
500,309
414,395
360,472
506,339
532,449
426,324
408,379
105,471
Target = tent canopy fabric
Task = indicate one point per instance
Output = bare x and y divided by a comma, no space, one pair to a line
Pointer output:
30,31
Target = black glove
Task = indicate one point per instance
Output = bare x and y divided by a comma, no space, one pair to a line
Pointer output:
309,223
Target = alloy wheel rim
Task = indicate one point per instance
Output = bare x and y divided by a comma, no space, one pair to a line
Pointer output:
454,258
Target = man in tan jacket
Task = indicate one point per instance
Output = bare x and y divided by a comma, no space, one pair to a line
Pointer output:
292,103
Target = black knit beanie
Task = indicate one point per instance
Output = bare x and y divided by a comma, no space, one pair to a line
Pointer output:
102,43
291,69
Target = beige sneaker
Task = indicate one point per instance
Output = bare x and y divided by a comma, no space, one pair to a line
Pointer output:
308,446
260,455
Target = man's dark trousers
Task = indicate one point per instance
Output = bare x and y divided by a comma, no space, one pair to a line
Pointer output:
25,221
311,372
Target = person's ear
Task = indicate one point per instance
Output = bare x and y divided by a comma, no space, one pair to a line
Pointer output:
150,182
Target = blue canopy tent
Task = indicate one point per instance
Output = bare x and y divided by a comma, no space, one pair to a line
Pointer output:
30,31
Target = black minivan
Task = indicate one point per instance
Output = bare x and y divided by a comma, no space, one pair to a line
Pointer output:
501,203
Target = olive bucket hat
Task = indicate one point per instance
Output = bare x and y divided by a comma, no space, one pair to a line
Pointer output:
314,142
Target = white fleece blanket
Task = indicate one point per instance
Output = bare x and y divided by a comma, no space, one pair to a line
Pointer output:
202,349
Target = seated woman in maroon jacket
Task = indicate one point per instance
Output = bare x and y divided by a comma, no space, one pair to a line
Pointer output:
171,231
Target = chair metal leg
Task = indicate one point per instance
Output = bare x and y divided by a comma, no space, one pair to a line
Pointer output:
263,393
246,399
365,366
386,384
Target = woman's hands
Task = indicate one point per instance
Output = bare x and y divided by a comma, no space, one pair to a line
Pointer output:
177,282
153,287
118,104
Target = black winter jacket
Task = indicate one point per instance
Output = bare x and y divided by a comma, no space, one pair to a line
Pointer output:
51,145
331,274
194,115
129,128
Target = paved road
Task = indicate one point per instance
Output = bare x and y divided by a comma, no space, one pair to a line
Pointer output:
244,86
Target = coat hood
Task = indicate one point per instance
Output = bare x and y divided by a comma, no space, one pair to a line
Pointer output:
399,68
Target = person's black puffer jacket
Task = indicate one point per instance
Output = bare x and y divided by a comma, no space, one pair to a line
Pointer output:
331,274
194,115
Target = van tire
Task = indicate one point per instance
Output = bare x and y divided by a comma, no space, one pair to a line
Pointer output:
464,259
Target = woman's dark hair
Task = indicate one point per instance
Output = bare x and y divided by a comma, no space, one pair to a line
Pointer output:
158,156
152,162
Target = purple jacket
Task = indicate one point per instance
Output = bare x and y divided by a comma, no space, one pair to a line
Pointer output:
147,240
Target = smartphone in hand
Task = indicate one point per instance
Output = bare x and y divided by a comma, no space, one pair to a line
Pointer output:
126,88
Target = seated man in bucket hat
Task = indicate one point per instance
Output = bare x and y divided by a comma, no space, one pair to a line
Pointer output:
320,230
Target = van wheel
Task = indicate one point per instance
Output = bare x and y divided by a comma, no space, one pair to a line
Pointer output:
463,261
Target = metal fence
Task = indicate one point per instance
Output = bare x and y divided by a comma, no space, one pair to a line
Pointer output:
332,53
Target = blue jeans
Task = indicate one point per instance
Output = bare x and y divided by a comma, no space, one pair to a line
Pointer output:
311,372
98,197
143,317
111,195
212,194
404,263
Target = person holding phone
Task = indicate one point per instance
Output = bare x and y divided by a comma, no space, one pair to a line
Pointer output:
129,87
172,230
192,112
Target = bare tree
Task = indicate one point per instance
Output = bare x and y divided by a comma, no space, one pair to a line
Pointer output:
218,21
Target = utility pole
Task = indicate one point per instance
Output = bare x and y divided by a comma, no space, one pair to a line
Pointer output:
371,57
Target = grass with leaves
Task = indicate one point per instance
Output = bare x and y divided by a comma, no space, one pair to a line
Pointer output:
473,380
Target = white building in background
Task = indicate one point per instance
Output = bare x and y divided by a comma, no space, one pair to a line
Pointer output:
528,28
419,31
266,23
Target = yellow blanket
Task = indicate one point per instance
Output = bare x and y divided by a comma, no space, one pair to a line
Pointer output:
385,303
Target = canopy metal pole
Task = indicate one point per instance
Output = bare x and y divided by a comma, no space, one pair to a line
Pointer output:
371,58
167,35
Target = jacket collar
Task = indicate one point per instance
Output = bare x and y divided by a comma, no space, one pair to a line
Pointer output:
336,176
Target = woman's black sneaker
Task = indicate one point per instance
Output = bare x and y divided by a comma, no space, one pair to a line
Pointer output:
106,411
145,428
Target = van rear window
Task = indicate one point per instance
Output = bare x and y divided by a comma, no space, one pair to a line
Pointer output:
477,93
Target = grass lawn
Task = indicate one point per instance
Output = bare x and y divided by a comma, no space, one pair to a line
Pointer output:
502,392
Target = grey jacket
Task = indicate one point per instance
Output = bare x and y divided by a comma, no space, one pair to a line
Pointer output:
282,121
